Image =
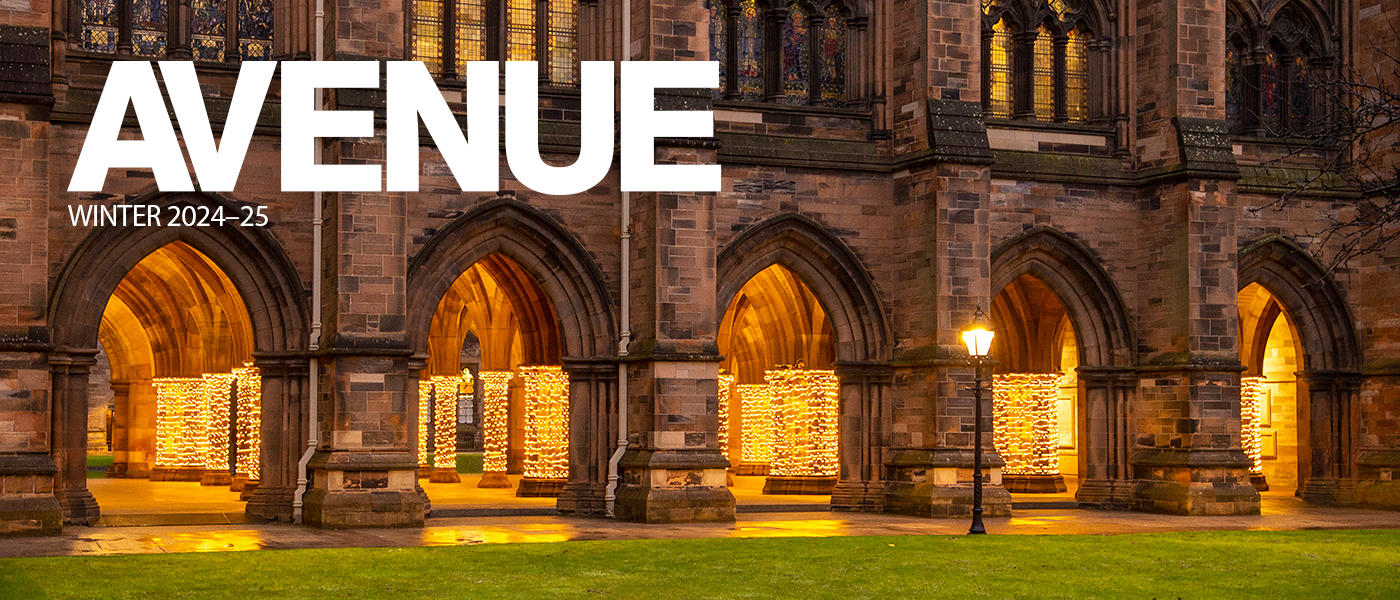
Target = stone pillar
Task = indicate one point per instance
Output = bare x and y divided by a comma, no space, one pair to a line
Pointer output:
592,434
27,502
70,371
1106,437
1329,475
864,423
284,430
674,470
121,421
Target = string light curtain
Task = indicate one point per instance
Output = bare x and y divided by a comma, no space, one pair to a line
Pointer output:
726,381
1025,428
546,422
446,390
216,409
248,463
755,424
494,423
1252,392
181,437
804,422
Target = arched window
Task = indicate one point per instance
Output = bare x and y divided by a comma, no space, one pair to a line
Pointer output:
1267,87
215,26
543,30
791,53
1036,60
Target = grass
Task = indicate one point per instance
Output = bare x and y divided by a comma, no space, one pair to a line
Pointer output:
469,462
98,460
1294,564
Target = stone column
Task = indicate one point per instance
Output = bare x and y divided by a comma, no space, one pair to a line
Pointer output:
864,426
284,429
1329,475
1105,437
121,401
592,434
70,369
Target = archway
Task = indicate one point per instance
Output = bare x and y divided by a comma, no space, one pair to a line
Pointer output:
778,398
494,346
1095,328
1269,394
860,339
563,274
218,269
1329,359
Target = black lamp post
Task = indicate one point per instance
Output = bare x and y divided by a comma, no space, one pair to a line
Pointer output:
978,337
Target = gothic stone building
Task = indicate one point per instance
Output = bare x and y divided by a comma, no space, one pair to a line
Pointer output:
1095,174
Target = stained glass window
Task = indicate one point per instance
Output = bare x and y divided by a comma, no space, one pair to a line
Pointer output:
563,41
1269,95
100,25
255,29
1077,76
471,32
427,18
1043,71
749,46
719,43
148,27
1299,98
207,24
795,56
1000,79
833,57
1234,85
520,29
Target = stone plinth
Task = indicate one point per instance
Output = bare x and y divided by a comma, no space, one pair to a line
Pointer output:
938,483
1193,482
27,502
540,487
1034,484
796,485
363,489
673,486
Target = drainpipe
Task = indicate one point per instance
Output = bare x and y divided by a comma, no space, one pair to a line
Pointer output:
313,430
625,338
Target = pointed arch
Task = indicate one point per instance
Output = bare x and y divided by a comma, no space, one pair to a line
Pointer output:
261,272
1090,298
1305,289
826,265
540,246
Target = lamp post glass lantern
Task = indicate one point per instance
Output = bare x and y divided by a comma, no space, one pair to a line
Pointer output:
978,337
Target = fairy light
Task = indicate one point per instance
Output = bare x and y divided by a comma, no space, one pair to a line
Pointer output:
180,432
546,422
755,424
494,411
217,394
1251,421
726,381
425,396
1025,428
804,406
248,463
446,389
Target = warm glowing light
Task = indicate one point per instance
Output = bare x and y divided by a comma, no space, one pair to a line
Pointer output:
446,390
1251,422
978,335
546,422
248,463
215,411
181,435
755,424
1025,428
804,404
726,381
425,398
494,424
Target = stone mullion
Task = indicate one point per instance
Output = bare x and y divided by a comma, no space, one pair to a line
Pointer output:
858,78
773,20
177,31
1023,75
987,36
815,23
449,39
125,15
542,40
232,54
1100,92
732,11
1061,43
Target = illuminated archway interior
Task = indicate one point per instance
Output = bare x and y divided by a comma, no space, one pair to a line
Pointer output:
1269,393
494,346
1035,397
186,400
778,399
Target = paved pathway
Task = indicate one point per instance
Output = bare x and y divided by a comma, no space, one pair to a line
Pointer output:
1280,513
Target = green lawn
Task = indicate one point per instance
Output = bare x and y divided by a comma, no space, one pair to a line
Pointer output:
98,460
1305,564
469,462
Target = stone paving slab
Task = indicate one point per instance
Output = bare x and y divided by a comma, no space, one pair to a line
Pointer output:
1278,514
